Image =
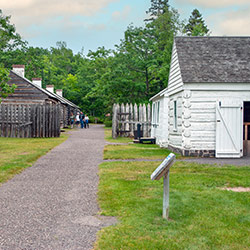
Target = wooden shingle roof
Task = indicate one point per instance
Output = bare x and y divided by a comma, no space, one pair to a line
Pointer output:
214,59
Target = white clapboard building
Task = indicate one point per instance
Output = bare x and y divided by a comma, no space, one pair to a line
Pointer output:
205,110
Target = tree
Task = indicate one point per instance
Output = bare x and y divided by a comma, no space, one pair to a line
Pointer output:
138,50
196,25
10,39
5,88
158,7
165,25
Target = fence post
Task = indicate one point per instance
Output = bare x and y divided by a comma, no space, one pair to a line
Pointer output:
114,122
149,120
131,119
135,116
122,119
127,120
144,118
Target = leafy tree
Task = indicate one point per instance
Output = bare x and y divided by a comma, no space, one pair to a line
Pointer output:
5,89
138,50
157,8
196,25
165,25
10,39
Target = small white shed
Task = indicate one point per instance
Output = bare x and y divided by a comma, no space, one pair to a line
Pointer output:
205,111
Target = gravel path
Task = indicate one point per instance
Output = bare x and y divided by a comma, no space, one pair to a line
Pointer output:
52,205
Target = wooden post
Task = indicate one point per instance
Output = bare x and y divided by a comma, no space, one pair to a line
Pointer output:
165,211
122,119
131,119
135,117
149,120
114,122
144,119
127,127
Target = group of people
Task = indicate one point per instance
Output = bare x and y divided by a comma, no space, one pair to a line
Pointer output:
80,118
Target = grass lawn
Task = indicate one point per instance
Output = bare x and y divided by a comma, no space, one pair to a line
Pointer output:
17,154
132,151
135,151
108,137
202,216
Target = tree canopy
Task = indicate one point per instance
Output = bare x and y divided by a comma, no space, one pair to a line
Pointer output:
196,25
10,40
134,71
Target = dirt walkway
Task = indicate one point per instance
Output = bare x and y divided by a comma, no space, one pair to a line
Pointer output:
52,205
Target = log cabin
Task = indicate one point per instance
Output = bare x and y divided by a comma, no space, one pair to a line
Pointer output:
205,110
31,92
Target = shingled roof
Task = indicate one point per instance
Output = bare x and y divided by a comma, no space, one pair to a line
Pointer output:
214,59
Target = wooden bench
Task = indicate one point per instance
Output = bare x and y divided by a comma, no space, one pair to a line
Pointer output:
145,139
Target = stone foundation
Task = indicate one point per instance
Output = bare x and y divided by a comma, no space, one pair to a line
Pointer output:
199,153
193,153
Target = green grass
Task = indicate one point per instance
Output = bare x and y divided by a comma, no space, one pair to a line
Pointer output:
108,137
201,215
17,154
135,151
132,151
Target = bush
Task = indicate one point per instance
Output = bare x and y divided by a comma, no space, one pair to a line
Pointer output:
93,119
108,123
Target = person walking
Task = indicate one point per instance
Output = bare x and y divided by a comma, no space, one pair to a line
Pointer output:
82,120
72,119
86,121
77,119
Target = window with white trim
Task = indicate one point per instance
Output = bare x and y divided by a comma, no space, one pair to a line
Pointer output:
156,113
175,115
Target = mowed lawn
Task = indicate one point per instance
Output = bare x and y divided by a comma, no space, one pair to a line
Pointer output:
17,154
202,215
130,150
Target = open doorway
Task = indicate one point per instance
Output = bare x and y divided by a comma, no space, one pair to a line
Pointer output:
246,129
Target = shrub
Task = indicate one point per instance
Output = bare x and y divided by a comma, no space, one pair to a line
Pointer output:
108,123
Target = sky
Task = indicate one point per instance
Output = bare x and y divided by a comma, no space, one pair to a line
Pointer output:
89,24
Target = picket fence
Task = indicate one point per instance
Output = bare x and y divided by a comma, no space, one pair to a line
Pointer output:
126,117
25,121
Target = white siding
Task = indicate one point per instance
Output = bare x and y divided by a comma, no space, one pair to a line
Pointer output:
159,128
175,135
175,83
199,131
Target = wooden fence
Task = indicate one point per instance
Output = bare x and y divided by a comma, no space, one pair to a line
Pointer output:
24,121
126,117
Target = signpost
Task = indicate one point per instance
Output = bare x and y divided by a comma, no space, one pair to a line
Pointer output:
163,170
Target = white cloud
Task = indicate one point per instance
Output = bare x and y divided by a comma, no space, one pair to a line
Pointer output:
234,23
215,3
122,15
32,16
37,11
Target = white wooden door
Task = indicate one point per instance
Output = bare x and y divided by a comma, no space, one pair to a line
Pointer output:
229,129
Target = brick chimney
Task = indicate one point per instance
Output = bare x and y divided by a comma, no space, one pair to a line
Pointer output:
59,92
50,88
37,81
19,69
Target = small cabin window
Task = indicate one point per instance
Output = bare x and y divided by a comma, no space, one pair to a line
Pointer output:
175,115
153,115
158,112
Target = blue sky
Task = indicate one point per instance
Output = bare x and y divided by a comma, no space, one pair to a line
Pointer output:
90,24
